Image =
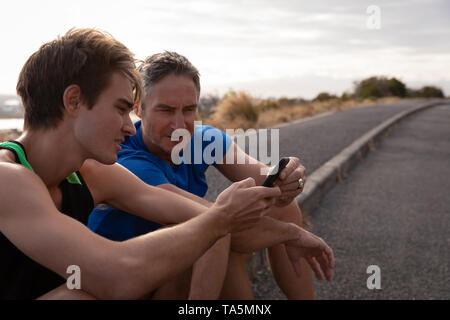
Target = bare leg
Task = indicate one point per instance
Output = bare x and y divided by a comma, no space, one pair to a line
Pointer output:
63,293
176,289
272,232
237,285
294,287
209,271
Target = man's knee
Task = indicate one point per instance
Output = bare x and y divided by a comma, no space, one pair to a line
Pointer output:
289,213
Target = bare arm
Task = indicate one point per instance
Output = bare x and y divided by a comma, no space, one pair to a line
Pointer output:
209,271
236,171
288,181
119,187
129,269
266,233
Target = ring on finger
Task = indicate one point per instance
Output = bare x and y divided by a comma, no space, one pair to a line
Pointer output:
300,183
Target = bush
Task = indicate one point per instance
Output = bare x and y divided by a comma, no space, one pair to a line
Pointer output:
268,105
235,106
396,88
324,96
289,102
430,92
346,96
378,87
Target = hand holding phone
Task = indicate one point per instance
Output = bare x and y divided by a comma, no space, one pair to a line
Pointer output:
275,172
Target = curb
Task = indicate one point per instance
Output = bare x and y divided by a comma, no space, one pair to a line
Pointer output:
337,168
323,179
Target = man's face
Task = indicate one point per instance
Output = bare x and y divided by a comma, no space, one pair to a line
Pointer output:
170,104
100,130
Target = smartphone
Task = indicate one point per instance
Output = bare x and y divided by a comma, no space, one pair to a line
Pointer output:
273,175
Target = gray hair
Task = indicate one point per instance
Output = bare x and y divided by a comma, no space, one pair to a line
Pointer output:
159,65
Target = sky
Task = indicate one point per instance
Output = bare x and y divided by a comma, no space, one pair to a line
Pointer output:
269,48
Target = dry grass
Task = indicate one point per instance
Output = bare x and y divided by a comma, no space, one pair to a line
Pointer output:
240,110
237,110
11,134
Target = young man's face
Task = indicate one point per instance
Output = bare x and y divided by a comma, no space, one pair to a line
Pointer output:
170,104
100,130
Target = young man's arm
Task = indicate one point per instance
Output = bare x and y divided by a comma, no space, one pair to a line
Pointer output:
119,187
129,269
268,232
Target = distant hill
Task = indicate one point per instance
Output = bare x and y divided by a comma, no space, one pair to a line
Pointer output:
10,106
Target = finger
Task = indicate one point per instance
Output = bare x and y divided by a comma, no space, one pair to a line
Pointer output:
259,192
291,184
325,265
270,201
290,167
315,267
294,176
246,183
330,256
328,253
265,212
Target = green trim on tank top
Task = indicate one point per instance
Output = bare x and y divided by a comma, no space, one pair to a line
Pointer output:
72,178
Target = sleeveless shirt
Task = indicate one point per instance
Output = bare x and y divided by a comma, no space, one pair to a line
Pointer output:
20,276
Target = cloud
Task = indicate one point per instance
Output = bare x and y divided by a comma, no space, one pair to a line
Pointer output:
262,42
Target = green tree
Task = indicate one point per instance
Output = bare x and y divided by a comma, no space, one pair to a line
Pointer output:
431,92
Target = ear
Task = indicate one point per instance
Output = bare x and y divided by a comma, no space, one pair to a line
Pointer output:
72,99
138,109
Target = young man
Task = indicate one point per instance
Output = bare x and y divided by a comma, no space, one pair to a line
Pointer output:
172,90
77,92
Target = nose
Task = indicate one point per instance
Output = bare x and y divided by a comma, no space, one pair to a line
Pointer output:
128,126
178,121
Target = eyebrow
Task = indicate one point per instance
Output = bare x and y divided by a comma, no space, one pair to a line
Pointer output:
126,102
162,105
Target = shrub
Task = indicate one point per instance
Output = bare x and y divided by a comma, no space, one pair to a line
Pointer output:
236,109
324,96
346,96
268,105
396,88
378,87
430,92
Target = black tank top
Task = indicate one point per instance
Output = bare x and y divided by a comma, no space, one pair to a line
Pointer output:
20,276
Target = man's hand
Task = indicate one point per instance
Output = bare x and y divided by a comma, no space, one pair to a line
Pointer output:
314,250
243,204
288,181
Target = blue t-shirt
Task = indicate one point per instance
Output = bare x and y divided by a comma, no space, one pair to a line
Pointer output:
207,146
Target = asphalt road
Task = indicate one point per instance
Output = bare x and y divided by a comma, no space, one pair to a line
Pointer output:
359,236
317,140
393,211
